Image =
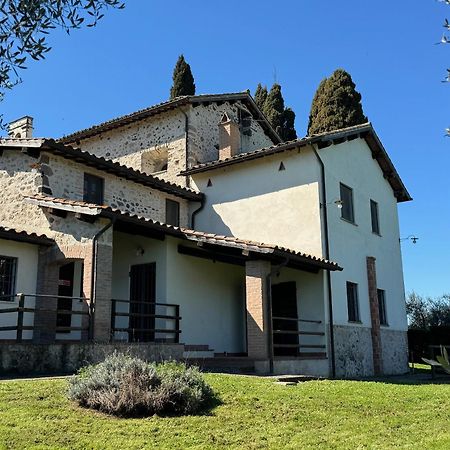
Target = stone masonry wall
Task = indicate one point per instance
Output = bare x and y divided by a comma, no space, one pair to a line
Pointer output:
395,351
163,133
66,180
21,175
353,351
204,132
163,136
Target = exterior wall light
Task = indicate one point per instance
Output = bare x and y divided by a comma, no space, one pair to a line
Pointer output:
140,251
411,237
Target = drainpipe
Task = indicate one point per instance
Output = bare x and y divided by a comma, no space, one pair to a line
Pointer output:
327,256
194,213
269,310
186,133
94,273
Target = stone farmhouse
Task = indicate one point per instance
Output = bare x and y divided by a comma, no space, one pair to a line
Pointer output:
189,229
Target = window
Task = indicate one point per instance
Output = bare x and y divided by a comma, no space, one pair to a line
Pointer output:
352,302
8,268
382,307
172,213
347,212
374,215
93,189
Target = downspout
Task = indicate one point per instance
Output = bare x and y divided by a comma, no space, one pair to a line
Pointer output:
269,310
327,256
94,273
194,213
186,134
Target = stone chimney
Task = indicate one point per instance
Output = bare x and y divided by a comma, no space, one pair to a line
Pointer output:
229,137
21,128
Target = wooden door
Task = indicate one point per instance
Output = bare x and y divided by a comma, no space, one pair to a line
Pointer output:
284,304
142,297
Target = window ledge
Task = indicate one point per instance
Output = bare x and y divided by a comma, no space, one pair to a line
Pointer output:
377,234
384,325
349,221
355,322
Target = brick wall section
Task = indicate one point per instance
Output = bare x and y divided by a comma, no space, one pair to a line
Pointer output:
256,303
102,307
374,315
50,261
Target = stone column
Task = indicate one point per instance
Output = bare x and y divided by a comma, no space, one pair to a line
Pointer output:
257,304
375,316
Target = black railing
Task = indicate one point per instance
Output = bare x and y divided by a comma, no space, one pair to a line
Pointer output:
138,321
20,320
287,339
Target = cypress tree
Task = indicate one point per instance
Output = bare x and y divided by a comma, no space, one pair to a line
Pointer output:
288,129
336,104
260,96
281,118
274,107
183,81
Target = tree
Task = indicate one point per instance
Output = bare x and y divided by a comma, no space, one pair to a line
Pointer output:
426,312
183,81
336,104
282,119
260,96
24,26
288,127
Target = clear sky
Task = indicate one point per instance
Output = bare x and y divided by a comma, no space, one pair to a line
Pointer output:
126,63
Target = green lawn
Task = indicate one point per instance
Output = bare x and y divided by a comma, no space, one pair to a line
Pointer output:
255,413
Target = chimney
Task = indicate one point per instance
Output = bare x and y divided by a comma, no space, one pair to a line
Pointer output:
229,137
21,128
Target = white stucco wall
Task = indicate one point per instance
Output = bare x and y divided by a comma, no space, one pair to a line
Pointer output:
255,200
26,277
352,164
210,295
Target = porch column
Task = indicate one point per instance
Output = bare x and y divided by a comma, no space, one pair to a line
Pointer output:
375,316
257,304
102,311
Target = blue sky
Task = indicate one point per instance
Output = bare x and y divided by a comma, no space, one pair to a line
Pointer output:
126,63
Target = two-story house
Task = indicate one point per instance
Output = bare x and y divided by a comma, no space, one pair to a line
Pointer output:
190,225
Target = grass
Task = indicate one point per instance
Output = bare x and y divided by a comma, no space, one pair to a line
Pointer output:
255,414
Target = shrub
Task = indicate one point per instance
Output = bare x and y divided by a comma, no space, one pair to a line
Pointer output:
126,386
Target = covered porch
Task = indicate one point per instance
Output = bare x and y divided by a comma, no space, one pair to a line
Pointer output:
226,302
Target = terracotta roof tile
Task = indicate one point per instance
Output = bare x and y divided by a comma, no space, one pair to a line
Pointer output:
25,236
189,234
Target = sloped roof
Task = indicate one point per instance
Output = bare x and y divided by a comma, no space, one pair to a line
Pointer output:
100,163
180,232
322,140
159,108
24,236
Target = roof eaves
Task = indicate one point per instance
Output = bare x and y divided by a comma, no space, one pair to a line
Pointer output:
165,106
120,170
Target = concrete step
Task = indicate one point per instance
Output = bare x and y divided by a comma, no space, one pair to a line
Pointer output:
226,364
197,351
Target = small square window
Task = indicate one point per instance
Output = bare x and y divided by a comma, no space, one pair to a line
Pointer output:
172,213
382,306
374,216
8,268
352,302
93,189
347,211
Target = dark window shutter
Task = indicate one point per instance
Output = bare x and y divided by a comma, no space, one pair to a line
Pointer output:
374,216
172,213
352,302
347,211
93,189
